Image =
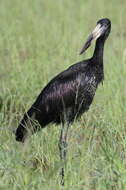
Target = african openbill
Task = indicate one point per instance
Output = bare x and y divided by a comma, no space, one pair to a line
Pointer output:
70,93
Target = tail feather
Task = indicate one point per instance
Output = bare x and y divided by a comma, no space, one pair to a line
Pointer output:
26,125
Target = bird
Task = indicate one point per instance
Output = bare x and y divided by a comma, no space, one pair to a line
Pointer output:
69,94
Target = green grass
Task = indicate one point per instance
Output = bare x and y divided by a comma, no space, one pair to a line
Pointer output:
38,39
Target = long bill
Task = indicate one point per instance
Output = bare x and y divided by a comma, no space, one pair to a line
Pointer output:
96,33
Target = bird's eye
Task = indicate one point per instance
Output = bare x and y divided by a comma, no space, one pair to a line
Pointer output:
105,25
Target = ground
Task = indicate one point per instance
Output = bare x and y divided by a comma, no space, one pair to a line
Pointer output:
39,39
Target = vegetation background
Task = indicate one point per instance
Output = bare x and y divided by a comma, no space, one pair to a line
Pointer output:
39,39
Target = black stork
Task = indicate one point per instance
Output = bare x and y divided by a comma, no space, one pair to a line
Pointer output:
68,95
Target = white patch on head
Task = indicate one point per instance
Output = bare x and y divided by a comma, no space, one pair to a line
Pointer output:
97,31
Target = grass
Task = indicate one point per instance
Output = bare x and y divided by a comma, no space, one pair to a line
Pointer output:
38,39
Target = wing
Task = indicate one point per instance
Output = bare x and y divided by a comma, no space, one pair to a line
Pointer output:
61,91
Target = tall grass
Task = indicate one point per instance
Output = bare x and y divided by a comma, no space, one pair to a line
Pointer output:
38,39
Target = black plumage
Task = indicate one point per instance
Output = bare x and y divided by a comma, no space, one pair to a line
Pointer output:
71,92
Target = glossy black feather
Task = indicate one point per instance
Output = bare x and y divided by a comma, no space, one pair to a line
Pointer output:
67,95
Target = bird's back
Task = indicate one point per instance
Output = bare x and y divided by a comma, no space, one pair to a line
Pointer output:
67,95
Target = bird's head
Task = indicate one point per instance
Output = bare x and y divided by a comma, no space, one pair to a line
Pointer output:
101,31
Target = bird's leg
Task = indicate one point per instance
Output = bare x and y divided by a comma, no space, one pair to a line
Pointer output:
63,148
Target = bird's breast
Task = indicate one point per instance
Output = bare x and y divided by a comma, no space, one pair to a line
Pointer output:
89,87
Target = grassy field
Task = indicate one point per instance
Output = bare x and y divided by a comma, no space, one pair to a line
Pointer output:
38,39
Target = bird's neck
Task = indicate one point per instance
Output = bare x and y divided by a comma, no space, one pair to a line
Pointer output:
98,52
